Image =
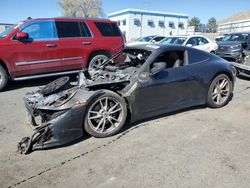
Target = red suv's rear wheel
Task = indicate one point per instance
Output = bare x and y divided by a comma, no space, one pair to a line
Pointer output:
97,60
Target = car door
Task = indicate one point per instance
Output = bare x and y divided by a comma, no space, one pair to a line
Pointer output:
74,43
203,44
192,42
39,53
170,89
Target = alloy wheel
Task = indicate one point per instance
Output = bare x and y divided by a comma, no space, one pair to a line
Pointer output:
221,91
97,63
105,115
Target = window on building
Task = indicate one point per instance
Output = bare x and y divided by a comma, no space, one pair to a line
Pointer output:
137,22
181,25
124,22
108,29
118,22
171,24
161,24
151,23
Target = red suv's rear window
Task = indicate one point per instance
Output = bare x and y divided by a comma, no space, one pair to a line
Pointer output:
108,29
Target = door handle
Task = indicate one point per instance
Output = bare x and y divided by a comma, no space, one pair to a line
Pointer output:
86,43
51,45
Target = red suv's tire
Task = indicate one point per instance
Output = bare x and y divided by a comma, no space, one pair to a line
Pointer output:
3,78
97,60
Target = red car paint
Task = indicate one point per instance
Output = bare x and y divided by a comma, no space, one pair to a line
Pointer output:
26,58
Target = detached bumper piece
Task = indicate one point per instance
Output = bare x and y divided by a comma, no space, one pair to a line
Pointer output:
36,141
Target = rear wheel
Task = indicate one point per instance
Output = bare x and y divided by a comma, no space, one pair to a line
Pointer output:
3,78
105,115
219,91
97,61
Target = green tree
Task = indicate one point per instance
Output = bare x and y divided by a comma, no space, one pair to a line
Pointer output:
212,25
195,21
82,8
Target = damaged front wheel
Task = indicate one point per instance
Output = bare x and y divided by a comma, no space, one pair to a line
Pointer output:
105,115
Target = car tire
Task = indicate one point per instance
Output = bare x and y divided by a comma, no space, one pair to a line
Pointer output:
55,86
220,91
105,115
97,60
3,78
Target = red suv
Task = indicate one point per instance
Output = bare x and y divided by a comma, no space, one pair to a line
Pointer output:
47,47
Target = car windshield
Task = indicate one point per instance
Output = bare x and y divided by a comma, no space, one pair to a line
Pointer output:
235,37
7,31
146,39
174,40
129,57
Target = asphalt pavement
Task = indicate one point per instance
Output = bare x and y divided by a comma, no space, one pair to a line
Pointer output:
196,147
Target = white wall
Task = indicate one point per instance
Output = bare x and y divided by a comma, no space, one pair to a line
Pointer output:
239,26
133,32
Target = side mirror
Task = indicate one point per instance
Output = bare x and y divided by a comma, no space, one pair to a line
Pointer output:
22,35
189,45
153,41
157,67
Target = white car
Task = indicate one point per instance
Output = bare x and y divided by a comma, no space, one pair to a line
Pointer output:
147,40
197,41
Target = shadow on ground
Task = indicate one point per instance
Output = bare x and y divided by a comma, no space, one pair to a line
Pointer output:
128,127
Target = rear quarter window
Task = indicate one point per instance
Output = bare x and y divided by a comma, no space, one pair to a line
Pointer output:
196,56
108,29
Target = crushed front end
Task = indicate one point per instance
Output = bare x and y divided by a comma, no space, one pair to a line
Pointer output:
56,116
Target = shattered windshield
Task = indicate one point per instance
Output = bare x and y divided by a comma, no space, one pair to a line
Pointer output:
174,40
235,37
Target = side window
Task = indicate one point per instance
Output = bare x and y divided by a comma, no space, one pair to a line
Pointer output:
84,30
68,29
201,41
196,57
108,29
157,39
39,31
192,41
173,59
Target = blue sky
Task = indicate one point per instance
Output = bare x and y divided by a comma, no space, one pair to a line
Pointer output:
12,11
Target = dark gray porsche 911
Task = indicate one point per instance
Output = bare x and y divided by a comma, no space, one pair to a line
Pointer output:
139,82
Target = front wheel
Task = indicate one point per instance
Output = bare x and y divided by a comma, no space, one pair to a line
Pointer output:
219,91
105,115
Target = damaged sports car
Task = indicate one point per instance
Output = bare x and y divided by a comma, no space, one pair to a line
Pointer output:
139,82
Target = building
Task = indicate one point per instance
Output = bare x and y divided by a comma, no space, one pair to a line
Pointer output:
236,23
4,26
136,23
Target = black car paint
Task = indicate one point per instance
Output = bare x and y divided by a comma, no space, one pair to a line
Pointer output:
146,95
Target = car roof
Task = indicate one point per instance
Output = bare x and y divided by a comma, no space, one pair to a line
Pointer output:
238,33
187,36
156,47
70,18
